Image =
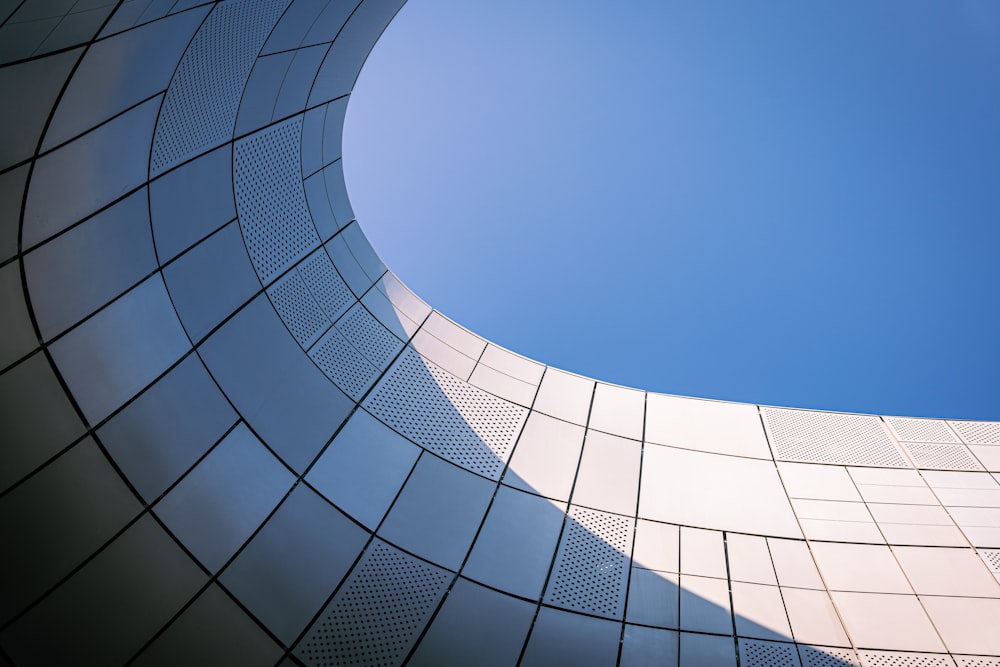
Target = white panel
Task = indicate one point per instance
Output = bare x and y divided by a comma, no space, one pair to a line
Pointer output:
503,385
709,426
921,430
657,546
859,567
793,564
820,482
565,396
978,433
512,364
813,617
714,491
749,559
831,437
703,553
609,474
967,625
705,605
877,620
618,410
759,612
443,355
457,337
946,572
546,457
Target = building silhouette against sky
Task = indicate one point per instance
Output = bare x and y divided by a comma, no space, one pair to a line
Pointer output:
232,436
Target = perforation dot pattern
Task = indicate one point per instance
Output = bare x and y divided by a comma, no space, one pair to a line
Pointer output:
344,365
992,558
591,569
199,111
325,284
976,661
270,200
901,659
828,437
921,430
978,433
446,415
367,334
826,656
298,310
767,654
378,614
941,457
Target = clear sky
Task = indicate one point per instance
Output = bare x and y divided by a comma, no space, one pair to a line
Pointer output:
786,203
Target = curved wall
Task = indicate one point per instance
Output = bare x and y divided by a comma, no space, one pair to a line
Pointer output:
231,436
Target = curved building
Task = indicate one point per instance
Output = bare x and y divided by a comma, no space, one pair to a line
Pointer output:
231,436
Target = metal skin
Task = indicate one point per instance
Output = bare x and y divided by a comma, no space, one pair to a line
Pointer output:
229,435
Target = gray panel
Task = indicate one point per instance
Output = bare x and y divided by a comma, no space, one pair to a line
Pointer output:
340,203
707,651
113,355
211,280
191,202
294,563
20,40
325,284
291,404
75,28
825,656
270,199
378,613
200,107
755,653
313,121
298,309
342,65
368,336
118,151
298,81
330,21
515,546
35,85
203,635
17,336
167,428
55,520
142,61
653,598
11,194
364,468
562,638
347,266
476,626
132,13
216,507
446,415
590,572
649,646
112,606
438,512
78,272
261,92
343,364
38,420
294,24
320,208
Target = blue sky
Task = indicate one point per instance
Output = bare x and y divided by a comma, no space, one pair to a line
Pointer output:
784,203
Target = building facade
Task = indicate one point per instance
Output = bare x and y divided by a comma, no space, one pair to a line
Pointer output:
231,436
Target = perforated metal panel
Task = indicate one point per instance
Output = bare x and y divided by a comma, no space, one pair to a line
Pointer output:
297,309
199,111
976,661
921,430
826,656
451,418
269,198
941,457
343,364
367,334
767,654
378,614
591,568
902,659
992,558
325,284
829,437
978,433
